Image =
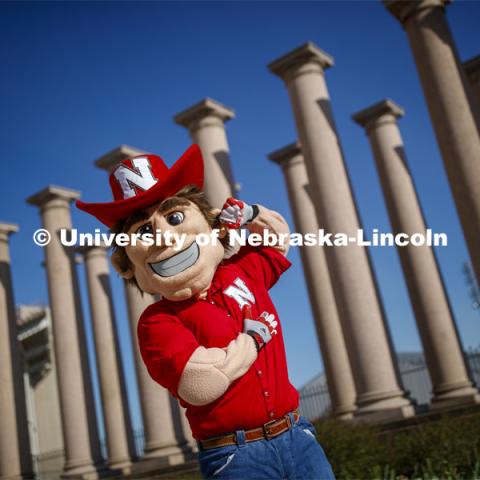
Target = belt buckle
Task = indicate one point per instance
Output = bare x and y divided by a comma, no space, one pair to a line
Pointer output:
266,432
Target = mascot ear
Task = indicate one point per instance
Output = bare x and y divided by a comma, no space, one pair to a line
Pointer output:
121,265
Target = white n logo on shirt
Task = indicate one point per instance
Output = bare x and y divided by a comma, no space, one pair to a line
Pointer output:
240,293
129,179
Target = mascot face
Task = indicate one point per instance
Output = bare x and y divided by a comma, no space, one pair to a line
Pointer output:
181,269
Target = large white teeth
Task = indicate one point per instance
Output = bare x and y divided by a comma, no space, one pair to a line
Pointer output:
177,263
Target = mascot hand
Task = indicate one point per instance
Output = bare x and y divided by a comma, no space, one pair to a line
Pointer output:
236,213
262,329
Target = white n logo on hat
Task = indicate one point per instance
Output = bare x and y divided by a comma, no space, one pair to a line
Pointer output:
130,180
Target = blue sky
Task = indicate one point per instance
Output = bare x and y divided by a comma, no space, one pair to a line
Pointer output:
80,78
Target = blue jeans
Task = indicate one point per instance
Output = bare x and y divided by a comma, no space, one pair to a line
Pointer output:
295,454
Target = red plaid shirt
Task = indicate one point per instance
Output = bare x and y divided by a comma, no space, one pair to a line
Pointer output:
169,332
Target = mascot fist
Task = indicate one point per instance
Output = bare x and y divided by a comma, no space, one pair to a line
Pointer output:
236,213
262,329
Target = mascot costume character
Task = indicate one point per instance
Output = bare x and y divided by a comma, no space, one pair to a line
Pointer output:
214,340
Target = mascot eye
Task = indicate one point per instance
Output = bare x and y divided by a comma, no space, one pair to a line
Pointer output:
147,228
175,218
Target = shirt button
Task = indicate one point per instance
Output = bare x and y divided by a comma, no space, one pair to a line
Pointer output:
272,414
260,373
266,393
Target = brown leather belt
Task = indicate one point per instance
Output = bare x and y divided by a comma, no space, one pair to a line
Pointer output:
267,431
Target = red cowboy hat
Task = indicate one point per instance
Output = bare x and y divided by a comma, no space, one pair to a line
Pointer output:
144,180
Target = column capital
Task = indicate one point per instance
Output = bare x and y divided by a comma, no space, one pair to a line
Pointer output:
472,67
385,111
287,155
402,10
306,53
6,229
201,110
111,159
52,192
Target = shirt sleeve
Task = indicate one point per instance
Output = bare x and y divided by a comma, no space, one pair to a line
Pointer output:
165,345
262,263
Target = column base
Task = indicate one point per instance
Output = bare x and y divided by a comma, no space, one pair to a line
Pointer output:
86,471
83,471
171,453
345,412
458,398
374,401
345,416
386,416
121,466
189,449
383,407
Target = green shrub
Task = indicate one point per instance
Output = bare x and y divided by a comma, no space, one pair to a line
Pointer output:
353,450
447,448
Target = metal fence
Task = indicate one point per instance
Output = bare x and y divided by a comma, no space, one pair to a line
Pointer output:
315,399
473,357
139,440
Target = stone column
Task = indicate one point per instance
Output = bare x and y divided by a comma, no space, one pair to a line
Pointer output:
158,424
159,431
86,373
206,123
454,116
472,70
443,352
54,203
359,308
15,458
112,388
322,299
187,431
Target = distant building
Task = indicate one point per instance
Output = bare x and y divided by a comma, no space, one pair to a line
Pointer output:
44,420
